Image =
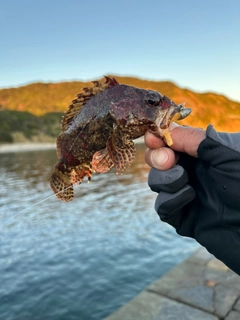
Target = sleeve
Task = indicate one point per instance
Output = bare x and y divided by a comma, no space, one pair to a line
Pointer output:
218,173
204,203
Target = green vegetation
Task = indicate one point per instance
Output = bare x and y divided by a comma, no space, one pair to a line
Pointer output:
22,126
33,112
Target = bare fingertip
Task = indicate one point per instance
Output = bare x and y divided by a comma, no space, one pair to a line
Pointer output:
161,159
152,141
158,158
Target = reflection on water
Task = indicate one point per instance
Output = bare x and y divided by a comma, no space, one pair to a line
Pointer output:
83,259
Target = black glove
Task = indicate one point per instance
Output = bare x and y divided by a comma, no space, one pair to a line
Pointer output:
200,197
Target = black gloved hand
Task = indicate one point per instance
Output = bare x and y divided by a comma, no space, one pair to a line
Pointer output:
200,197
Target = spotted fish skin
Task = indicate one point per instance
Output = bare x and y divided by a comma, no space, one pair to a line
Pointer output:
98,129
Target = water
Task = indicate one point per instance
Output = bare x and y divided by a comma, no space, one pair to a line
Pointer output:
84,259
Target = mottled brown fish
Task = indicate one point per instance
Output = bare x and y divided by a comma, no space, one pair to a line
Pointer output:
98,129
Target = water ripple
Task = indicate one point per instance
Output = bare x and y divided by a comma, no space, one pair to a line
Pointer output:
84,259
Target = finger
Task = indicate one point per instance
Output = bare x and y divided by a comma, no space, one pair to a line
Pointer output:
170,207
152,141
186,139
162,159
170,181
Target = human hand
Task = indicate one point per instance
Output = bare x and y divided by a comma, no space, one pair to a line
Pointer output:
185,139
199,197
167,178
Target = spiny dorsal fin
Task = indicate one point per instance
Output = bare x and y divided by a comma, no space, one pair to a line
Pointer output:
83,97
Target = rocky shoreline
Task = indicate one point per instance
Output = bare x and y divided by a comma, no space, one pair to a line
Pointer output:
201,287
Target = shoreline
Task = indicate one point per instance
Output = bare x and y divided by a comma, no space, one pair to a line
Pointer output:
26,146
35,146
200,287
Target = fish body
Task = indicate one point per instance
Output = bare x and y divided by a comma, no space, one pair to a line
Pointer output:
98,129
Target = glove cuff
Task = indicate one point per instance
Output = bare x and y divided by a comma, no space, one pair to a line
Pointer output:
219,148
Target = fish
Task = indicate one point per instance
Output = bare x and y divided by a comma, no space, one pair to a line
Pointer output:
98,129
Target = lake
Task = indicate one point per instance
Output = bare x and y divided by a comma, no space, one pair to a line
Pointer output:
82,259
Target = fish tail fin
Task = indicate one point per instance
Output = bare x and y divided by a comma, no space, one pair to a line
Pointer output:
62,186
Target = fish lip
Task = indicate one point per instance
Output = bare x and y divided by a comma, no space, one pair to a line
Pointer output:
177,110
184,112
181,110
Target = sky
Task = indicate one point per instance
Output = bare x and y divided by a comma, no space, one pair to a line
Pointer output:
193,43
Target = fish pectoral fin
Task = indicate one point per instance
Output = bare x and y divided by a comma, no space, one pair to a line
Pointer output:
121,150
101,161
62,186
79,172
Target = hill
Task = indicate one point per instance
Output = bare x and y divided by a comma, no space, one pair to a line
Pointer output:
22,126
24,110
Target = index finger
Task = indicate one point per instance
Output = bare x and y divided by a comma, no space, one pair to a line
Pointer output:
152,141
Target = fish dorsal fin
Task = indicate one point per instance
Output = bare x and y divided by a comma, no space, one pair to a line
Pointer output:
83,97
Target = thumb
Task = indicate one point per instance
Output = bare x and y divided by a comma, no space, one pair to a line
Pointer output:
186,139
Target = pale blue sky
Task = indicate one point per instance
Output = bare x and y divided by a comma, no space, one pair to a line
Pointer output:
194,43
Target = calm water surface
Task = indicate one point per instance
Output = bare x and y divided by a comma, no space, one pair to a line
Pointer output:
83,259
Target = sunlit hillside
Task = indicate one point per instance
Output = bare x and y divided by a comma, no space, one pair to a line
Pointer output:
32,103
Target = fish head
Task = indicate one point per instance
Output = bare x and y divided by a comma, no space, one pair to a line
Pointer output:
146,108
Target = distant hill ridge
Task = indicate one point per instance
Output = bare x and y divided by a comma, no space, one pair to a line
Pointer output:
42,98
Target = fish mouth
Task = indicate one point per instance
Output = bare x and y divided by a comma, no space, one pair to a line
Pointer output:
174,113
181,112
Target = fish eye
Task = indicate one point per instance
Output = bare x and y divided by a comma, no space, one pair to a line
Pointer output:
152,102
